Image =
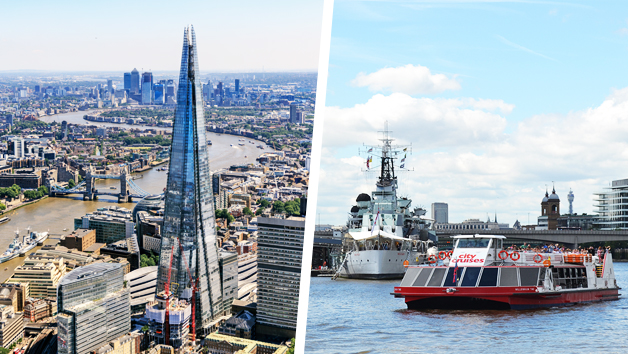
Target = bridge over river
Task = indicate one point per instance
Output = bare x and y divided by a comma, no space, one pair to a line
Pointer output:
128,188
568,237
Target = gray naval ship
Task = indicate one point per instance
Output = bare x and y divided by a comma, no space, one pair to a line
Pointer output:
385,233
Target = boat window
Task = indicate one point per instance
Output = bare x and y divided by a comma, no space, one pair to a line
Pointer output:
508,277
489,277
473,242
471,276
422,278
410,276
541,277
437,277
529,276
449,280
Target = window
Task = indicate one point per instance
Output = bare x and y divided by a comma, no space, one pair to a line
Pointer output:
471,276
437,277
489,277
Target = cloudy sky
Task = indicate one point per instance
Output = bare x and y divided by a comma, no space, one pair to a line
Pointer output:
497,98
116,35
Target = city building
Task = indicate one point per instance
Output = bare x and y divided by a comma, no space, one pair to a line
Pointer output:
14,294
111,223
41,274
93,308
293,113
135,81
37,309
471,224
280,252
241,325
147,88
80,239
224,344
180,313
127,344
127,248
159,93
612,206
550,211
440,213
127,82
11,326
188,240
142,283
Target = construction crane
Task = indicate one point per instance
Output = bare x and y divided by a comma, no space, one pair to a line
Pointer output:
167,294
194,283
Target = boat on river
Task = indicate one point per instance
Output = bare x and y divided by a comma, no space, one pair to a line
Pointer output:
480,274
17,248
384,231
4,219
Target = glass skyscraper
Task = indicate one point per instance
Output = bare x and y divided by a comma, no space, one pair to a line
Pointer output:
189,221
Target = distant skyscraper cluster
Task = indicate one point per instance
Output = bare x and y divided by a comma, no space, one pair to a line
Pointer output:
143,89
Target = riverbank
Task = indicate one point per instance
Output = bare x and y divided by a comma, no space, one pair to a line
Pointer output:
21,205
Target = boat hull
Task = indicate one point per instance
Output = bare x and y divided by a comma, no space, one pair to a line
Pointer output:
516,298
378,264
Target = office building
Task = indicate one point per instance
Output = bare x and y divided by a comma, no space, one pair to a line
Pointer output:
180,313
225,344
17,145
80,239
11,326
189,232
293,113
41,274
112,224
135,81
237,86
110,86
170,96
93,308
147,88
14,294
127,82
159,94
440,213
142,283
280,251
612,206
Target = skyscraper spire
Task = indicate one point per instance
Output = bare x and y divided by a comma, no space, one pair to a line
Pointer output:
189,221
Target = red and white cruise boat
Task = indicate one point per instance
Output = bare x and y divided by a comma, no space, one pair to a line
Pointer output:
483,275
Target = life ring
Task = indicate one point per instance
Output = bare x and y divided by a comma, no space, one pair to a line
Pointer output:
537,258
406,263
431,259
515,256
449,253
503,254
442,255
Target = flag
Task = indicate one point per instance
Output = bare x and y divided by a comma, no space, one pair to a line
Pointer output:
402,166
405,149
367,163
370,150
374,223
455,272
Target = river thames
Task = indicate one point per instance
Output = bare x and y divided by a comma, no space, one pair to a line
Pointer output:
360,316
56,214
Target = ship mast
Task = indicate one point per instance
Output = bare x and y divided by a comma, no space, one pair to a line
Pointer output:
387,169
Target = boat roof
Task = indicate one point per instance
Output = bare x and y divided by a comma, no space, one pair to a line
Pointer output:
480,236
363,235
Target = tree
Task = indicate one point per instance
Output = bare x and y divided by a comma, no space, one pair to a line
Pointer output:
279,206
247,211
259,211
264,203
71,183
2,206
291,348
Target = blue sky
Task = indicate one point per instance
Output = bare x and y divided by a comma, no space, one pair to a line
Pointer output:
116,35
533,92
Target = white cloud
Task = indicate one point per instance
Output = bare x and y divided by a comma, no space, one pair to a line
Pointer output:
462,155
407,79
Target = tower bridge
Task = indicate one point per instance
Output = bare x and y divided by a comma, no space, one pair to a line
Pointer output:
566,237
128,188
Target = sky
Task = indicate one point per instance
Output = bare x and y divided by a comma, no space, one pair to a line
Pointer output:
232,36
499,100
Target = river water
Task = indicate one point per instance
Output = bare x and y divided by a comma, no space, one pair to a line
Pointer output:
56,214
360,316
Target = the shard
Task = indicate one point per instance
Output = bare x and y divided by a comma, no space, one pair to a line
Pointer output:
189,232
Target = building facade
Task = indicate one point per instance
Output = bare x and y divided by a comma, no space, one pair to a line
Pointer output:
440,213
611,205
280,252
93,308
189,232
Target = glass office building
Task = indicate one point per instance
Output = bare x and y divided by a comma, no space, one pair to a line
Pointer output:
189,232
94,307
